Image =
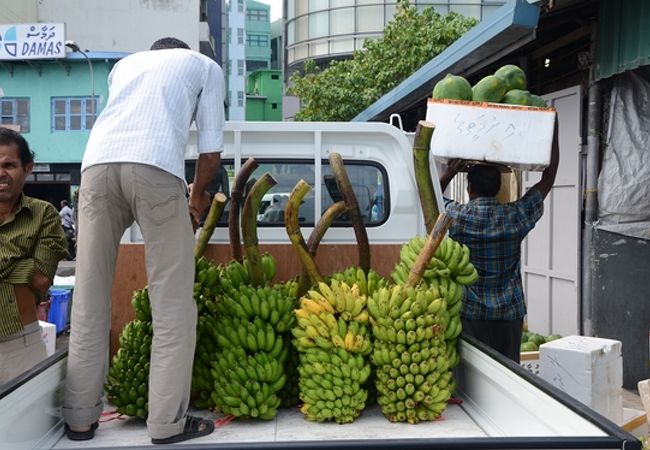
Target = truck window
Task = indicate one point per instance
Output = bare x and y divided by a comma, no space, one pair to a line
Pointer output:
369,182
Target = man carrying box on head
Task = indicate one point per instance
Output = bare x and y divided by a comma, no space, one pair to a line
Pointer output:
32,243
494,307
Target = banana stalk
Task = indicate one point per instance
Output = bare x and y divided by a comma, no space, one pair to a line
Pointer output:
293,230
216,208
236,195
433,241
315,237
421,145
352,205
249,226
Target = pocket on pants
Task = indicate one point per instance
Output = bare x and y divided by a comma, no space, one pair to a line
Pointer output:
159,201
93,191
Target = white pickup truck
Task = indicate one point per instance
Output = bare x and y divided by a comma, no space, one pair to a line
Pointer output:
500,405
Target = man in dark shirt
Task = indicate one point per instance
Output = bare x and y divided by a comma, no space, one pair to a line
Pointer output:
494,308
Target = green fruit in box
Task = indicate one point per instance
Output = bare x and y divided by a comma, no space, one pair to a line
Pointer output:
553,337
517,97
452,87
512,76
537,339
536,100
528,347
489,89
524,336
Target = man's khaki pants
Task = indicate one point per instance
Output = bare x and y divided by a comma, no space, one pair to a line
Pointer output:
111,197
21,354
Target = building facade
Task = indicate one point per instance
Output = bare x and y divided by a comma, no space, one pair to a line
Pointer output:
236,60
264,98
332,29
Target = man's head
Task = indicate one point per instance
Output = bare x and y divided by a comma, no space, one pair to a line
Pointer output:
169,42
64,203
16,162
483,181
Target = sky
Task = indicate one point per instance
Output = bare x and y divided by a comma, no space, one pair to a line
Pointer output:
276,8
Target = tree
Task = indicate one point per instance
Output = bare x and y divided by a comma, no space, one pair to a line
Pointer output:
346,87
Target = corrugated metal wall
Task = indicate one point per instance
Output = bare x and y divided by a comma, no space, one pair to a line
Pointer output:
623,36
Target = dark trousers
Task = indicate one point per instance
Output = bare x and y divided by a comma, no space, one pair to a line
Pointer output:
502,335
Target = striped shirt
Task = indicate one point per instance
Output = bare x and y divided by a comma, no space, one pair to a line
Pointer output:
31,238
153,98
494,232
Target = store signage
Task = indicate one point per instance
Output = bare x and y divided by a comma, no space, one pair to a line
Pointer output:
32,41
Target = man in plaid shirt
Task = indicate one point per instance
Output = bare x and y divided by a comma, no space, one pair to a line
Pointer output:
494,307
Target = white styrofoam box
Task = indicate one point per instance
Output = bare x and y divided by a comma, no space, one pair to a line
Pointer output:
530,361
589,369
48,331
516,136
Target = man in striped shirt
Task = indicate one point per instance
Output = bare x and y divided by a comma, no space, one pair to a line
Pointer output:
134,170
31,245
494,308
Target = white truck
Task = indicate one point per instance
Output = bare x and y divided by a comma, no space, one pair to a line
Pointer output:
500,405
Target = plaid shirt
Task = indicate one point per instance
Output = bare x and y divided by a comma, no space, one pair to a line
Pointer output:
494,232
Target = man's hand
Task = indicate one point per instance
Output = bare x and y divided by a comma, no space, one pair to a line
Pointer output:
451,169
40,283
199,203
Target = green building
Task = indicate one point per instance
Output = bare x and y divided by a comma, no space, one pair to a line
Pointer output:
264,95
51,103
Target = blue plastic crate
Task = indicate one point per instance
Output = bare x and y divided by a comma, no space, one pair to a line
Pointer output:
58,315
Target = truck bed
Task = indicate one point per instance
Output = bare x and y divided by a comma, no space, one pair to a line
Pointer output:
503,407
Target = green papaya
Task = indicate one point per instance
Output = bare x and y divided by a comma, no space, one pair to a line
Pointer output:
512,76
452,87
536,100
489,89
517,97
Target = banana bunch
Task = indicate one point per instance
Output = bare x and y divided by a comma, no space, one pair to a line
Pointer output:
127,385
452,292
367,284
141,305
332,384
206,348
333,316
270,304
246,385
252,337
207,286
409,352
451,260
333,339
237,274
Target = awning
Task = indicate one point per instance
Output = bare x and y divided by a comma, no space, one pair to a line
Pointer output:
623,41
503,31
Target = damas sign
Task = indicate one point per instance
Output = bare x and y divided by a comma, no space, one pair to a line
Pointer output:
32,41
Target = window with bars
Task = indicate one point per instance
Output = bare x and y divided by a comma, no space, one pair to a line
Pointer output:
240,98
15,111
240,35
257,40
73,113
240,67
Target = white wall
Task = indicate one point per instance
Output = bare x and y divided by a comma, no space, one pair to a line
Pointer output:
123,25
236,52
17,11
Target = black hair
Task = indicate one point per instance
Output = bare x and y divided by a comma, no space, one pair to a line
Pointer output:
484,180
8,137
168,42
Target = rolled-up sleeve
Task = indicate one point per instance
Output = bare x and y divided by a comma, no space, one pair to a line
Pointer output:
51,246
210,114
